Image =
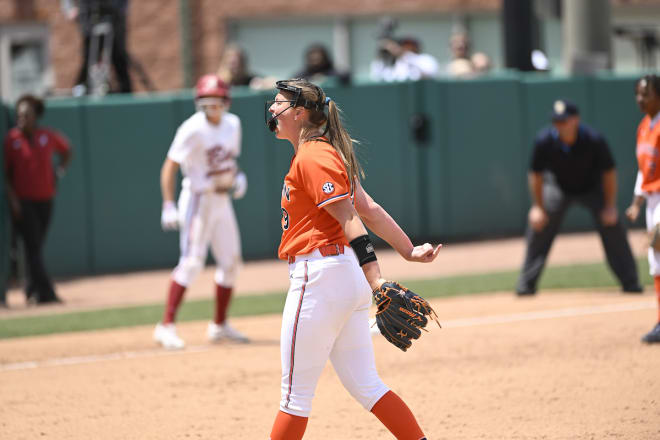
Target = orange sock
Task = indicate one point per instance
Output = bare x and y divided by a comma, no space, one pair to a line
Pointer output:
288,427
397,417
656,284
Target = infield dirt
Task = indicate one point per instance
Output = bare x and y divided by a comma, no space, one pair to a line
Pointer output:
560,365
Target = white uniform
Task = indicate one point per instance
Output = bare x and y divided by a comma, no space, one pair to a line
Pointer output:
326,315
207,154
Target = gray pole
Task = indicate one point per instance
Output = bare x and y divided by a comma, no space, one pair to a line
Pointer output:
341,38
587,36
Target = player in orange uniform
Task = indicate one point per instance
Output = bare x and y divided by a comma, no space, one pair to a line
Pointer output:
325,243
647,186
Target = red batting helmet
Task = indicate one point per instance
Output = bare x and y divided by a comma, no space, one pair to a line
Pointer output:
211,86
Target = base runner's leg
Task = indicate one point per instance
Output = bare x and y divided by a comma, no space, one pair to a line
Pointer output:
193,244
226,248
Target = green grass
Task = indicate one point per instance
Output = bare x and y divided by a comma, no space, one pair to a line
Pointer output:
560,277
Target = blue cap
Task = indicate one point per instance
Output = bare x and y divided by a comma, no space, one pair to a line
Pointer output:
562,109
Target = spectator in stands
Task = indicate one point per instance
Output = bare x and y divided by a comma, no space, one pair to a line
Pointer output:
461,64
480,63
234,70
90,13
402,60
571,163
319,68
30,183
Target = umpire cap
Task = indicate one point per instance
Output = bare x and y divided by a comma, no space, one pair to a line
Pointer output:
563,109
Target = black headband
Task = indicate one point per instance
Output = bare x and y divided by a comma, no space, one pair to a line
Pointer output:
297,92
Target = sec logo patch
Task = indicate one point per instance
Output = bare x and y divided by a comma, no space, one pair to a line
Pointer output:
328,187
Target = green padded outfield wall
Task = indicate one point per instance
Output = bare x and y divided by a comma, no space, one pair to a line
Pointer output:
128,139
4,211
615,112
484,166
70,228
467,180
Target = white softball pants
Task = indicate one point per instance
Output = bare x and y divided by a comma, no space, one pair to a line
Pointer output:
653,218
207,218
326,316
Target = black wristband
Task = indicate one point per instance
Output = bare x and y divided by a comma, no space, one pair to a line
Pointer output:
364,249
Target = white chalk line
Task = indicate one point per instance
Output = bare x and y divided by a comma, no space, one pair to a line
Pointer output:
550,314
454,323
79,360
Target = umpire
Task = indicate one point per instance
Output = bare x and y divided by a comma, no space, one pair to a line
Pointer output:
572,163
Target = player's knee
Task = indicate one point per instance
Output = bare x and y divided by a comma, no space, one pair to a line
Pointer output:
225,274
654,237
187,270
297,404
368,393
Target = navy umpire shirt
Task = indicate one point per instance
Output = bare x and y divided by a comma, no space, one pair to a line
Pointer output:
578,168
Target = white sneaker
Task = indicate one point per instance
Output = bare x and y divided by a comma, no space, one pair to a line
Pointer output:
217,332
373,327
165,335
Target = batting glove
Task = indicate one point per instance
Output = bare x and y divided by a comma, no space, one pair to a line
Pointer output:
169,218
240,186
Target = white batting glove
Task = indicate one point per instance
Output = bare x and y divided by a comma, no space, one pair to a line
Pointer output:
169,218
240,186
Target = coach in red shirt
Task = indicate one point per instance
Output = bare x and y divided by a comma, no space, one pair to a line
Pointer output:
31,175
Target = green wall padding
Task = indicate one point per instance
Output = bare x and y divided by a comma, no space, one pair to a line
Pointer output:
467,180
616,114
68,249
4,210
486,162
129,139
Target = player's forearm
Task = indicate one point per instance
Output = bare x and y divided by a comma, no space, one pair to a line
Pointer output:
383,225
353,228
167,180
638,201
535,181
609,188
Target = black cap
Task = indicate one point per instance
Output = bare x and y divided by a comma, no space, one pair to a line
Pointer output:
562,109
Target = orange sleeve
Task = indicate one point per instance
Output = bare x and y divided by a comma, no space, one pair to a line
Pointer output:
324,176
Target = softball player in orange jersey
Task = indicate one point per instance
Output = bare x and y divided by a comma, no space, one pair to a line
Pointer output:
332,264
647,186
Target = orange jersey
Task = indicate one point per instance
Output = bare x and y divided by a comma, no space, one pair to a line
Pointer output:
317,177
648,153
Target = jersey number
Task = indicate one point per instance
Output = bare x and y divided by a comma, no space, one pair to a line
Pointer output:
285,219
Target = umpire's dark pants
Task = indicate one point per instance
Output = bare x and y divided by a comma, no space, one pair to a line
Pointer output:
32,227
614,238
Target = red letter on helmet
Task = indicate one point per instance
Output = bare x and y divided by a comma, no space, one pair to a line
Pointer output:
211,86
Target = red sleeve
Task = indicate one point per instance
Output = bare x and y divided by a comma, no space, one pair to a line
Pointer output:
60,141
324,176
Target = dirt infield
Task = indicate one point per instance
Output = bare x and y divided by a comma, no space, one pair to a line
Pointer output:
561,365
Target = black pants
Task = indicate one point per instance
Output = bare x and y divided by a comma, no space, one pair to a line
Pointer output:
614,238
32,227
120,57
